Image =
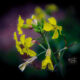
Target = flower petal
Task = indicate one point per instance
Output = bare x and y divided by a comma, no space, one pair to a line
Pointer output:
55,35
50,66
19,49
15,36
28,42
31,52
19,30
52,20
47,27
44,64
60,29
38,10
22,39
20,21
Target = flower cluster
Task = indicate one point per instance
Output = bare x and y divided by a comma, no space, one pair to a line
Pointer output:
41,23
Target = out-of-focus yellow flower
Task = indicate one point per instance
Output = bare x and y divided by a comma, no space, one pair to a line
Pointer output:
27,43
33,17
52,26
20,24
47,61
38,10
52,7
32,20
40,14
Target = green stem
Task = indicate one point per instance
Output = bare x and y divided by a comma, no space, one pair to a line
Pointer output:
40,53
42,46
45,39
50,48
47,42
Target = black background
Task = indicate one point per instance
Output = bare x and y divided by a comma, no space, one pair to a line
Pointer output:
6,5
12,72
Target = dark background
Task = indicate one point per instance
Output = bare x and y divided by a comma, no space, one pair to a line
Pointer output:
12,72
6,5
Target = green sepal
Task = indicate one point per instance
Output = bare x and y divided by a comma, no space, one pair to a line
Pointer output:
39,27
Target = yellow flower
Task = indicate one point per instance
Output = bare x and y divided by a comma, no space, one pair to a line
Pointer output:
32,20
47,26
52,7
38,10
27,43
33,17
18,44
47,61
40,14
52,21
20,24
52,26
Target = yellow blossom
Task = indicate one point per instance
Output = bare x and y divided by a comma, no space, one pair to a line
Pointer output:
20,24
32,20
33,17
52,26
38,10
52,7
26,42
18,44
47,61
47,26
52,21
29,52
40,14
19,30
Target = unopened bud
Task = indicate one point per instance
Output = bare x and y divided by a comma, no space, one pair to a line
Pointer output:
33,41
48,52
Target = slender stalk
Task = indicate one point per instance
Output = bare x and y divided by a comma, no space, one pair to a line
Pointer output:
47,42
45,39
42,46
40,53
